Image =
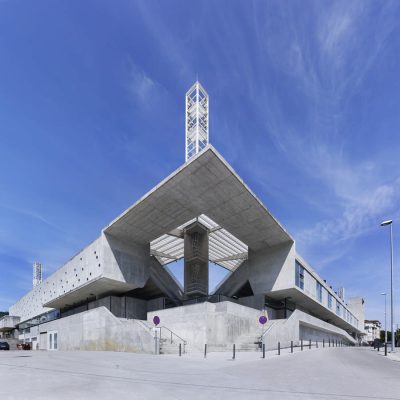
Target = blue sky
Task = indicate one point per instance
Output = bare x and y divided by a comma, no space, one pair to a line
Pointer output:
305,105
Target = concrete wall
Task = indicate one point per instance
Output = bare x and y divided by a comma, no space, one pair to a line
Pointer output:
165,280
272,269
8,322
99,329
356,306
83,267
217,324
268,269
125,262
126,266
256,302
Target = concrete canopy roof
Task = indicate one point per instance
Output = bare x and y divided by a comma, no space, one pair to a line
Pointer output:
206,184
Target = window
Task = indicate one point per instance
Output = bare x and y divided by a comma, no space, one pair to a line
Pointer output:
329,300
337,308
299,275
319,291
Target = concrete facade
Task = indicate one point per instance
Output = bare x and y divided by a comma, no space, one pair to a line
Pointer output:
117,278
372,330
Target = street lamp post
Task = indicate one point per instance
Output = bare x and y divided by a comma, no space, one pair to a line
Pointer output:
384,294
384,223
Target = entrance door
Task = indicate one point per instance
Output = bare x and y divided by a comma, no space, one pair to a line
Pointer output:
43,341
52,340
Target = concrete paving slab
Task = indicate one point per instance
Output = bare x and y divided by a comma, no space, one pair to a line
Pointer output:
321,374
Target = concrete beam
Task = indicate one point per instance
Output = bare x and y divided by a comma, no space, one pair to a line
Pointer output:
240,256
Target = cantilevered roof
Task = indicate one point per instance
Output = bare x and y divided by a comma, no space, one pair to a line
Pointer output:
205,185
224,248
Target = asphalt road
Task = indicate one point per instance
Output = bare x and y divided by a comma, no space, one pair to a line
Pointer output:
318,374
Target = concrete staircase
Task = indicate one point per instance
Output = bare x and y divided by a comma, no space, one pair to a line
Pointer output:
166,347
169,342
247,343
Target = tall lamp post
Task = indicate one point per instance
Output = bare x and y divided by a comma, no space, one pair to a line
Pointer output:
384,294
384,223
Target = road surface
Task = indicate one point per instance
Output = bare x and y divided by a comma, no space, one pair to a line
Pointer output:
318,374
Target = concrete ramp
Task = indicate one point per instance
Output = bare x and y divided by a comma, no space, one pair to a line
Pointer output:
302,326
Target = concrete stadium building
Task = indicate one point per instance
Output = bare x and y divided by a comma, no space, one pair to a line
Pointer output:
105,297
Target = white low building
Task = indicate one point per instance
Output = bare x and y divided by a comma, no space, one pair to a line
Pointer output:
372,330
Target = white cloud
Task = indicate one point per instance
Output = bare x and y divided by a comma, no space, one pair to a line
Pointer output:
359,216
141,86
360,190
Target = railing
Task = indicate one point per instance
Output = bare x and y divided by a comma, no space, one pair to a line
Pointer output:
266,331
212,298
171,334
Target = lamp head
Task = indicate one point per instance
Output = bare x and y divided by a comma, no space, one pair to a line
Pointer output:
383,294
388,222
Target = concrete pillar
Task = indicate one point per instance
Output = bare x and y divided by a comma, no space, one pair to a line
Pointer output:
196,260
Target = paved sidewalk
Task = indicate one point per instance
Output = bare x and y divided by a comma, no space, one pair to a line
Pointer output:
392,356
320,374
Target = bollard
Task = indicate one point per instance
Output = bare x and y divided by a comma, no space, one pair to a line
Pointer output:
180,349
205,350
234,351
385,349
279,348
329,342
301,344
316,344
323,343
291,346
309,344
263,348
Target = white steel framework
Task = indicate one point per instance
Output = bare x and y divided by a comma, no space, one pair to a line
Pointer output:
196,120
224,249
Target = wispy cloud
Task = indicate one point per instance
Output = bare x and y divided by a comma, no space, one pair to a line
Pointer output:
29,213
328,72
144,90
359,216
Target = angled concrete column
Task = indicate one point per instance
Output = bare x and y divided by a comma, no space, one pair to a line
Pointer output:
196,260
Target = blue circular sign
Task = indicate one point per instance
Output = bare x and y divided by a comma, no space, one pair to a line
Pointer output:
263,319
156,320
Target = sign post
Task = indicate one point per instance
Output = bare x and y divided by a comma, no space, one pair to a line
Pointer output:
263,320
156,321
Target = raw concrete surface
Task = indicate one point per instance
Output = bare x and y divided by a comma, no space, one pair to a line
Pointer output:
321,374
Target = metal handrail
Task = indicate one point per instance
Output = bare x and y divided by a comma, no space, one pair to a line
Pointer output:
172,333
144,325
267,330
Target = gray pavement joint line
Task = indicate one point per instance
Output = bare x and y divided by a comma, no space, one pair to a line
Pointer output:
196,385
